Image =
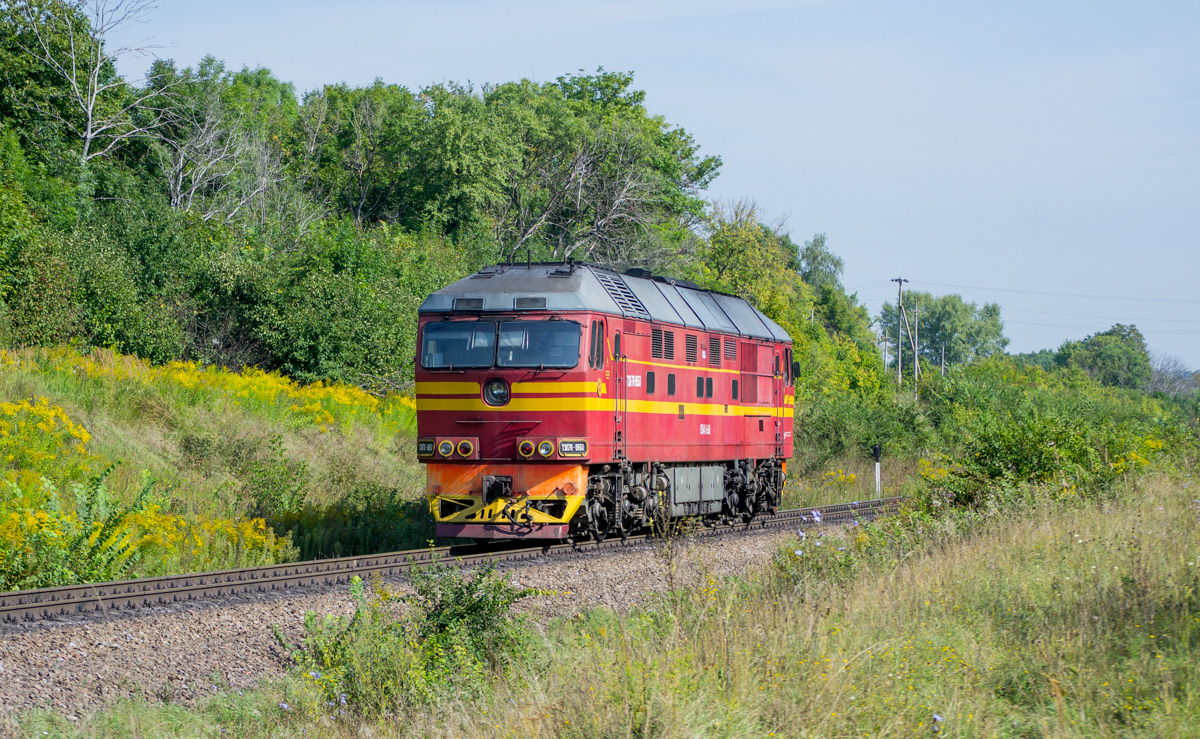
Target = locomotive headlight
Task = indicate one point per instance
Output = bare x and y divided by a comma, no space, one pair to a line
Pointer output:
525,448
545,449
446,447
495,392
465,448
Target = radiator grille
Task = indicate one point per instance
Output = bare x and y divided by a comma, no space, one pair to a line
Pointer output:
622,295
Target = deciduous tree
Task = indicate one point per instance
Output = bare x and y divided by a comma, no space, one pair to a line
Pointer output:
966,331
91,100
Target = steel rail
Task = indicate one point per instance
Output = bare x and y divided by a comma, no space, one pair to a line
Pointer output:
126,595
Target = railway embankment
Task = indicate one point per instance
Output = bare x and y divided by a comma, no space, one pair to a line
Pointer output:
192,650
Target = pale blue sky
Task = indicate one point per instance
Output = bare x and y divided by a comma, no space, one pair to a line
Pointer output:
1050,149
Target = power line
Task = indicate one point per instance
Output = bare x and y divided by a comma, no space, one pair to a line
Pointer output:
873,284
1061,295
1102,318
1174,332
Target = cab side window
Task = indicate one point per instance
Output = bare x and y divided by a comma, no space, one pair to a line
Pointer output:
596,355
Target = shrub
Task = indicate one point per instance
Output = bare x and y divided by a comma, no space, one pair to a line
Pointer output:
397,653
40,295
119,310
275,485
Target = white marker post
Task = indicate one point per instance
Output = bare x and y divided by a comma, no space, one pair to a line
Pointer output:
878,451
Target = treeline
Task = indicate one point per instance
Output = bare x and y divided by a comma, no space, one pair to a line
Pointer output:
212,214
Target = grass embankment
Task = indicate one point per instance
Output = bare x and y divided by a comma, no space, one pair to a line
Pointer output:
207,468
112,467
1063,618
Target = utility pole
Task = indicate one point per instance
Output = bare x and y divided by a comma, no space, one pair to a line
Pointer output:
943,360
900,329
916,344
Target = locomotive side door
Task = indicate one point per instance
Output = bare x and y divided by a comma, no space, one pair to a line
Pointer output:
620,398
777,401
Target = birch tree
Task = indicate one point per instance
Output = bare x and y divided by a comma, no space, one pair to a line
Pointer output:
70,39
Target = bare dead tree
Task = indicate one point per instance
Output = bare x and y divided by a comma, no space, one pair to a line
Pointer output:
70,40
596,202
616,194
536,194
197,147
1171,375
260,167
364,193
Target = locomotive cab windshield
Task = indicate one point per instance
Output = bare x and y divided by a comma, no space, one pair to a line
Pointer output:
552,344
461,344
548,344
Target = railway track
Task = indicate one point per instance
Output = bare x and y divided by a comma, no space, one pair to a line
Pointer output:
125,595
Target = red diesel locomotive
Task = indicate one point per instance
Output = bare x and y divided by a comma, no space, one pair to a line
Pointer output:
568,400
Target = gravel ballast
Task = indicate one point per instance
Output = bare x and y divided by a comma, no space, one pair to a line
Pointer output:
185,651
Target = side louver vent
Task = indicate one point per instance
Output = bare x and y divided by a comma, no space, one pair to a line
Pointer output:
714,351
690,348
662,344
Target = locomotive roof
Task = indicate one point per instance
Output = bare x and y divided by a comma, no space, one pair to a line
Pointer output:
572,286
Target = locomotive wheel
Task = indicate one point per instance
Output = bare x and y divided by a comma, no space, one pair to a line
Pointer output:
599,521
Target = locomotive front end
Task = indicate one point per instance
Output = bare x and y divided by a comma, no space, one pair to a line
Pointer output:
502,415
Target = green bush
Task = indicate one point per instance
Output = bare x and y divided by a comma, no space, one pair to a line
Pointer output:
118,311
838,424
1003,426
274,484
344,306
41,295
397,653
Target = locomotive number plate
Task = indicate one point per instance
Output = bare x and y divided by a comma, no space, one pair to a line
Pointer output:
424,447
572,448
